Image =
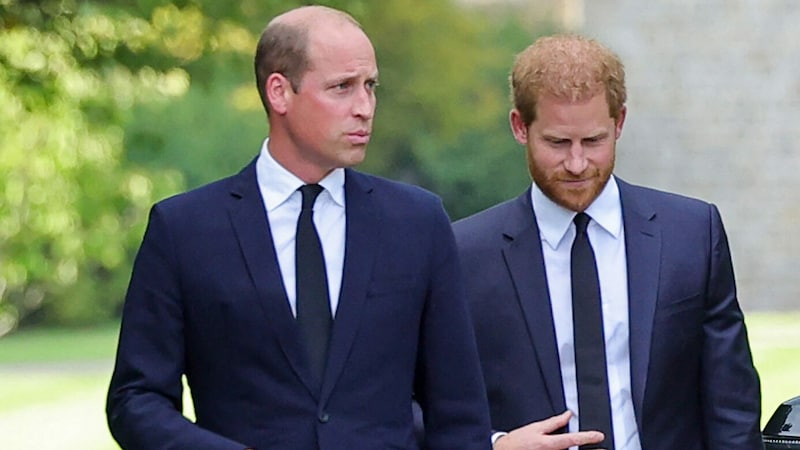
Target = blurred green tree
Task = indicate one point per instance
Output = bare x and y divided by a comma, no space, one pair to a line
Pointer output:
108,106
442,104
70,211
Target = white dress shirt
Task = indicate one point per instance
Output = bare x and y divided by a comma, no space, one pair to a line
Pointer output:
608,242
283,201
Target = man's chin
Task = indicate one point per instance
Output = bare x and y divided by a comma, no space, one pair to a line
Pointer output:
354,156
579,199
577,202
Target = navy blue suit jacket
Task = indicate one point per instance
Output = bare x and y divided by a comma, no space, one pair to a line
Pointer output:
693,381
206,300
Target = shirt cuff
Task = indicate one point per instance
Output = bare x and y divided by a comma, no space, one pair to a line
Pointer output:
497,435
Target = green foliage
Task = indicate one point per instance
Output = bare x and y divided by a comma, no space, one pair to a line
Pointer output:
446,127
69,212
108,106
442,105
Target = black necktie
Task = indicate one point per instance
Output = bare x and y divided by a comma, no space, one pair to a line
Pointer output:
594,406
313,303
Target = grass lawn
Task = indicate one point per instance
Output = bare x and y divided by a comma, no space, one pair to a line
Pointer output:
53,382
52,388
59,345
45,366
775,342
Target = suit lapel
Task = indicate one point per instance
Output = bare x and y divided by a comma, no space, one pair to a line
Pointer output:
525,263
363,225
250,223
643,252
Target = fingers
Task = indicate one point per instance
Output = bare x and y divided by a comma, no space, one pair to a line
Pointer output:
564,440
538,435
552,424
575,439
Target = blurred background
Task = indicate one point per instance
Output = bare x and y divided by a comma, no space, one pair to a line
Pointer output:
108,106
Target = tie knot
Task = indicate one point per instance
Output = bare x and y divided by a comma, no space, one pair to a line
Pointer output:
581,222
310,193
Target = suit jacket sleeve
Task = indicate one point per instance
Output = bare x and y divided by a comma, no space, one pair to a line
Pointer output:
144,398
449,383
730,383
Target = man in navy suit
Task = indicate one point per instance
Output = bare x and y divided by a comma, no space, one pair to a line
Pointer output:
215,291
678,368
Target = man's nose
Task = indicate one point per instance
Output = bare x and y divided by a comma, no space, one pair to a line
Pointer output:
576,161
364,103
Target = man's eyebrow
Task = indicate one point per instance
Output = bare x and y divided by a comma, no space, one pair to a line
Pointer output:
598,135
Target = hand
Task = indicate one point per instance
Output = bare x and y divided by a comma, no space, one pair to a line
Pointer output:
536,436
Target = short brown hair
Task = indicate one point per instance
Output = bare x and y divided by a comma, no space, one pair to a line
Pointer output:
570,67
283,46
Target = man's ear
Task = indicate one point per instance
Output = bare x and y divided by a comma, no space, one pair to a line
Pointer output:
278,91
518,127
621,121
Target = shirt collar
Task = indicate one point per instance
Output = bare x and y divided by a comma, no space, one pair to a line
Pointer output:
277,184
554,220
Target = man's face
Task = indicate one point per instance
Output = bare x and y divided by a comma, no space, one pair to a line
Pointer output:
571,148
329,119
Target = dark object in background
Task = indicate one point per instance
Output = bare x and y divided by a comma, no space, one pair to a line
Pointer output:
782,432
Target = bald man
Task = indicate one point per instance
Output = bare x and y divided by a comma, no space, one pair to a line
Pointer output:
305,303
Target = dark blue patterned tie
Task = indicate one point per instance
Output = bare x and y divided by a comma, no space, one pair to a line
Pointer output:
313,303
594,406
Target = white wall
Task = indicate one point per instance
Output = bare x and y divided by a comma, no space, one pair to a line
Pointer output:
714,112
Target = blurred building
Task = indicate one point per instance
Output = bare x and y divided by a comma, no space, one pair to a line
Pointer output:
714,112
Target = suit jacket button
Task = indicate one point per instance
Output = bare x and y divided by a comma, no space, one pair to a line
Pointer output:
324,417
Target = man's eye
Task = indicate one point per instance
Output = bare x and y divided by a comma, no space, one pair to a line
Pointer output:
372,84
